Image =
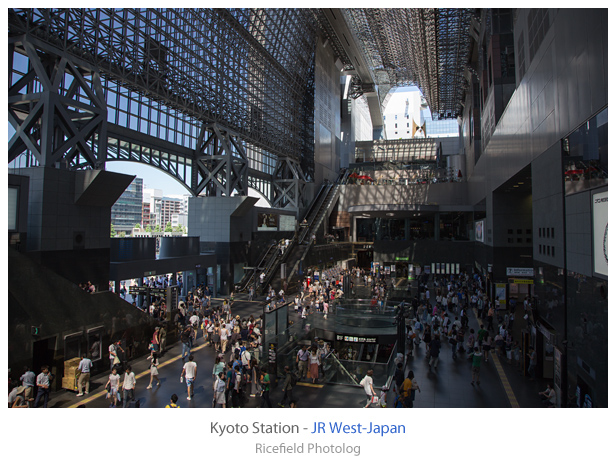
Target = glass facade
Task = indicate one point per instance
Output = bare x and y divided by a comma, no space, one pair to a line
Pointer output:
128,210
585,155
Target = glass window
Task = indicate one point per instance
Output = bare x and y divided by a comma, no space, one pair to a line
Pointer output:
585,155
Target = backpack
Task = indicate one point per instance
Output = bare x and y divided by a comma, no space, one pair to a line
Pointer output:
236,352
293,379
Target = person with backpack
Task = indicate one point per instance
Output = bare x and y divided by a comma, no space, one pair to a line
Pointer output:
290,380
174,402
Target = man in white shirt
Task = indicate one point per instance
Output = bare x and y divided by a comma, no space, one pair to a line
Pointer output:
85,366
128,386
190,372
368,387
43,380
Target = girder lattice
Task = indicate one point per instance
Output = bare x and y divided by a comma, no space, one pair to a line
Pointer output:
247,69
428,47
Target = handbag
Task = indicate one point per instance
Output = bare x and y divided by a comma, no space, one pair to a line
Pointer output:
116,360
374,399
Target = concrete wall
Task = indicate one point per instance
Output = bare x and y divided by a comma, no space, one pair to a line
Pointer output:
564,86
437,196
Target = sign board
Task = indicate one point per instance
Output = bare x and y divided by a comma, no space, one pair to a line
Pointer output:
599,232
520,272
479,229
350,339
501,294
523,281
404,259
267,222
287,223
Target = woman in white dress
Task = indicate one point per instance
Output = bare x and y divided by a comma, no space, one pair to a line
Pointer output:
154,371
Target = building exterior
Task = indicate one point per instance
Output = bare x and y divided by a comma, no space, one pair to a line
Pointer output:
128,210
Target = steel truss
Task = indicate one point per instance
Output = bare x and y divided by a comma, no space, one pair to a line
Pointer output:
59,114
428,47
246,72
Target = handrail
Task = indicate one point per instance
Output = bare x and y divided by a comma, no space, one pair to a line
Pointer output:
344,369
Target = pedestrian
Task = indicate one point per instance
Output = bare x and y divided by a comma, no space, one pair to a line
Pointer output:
216,337
43,382
532,363
476,366
85,366
383,396
185,339
155,343
367,383
113,356
302,362
487,346
399,377
220,386
287,387
409,387
112,386
128,386
190,372
28,379
315,362
453,341
174,402
265,383
234,386
153,371
435,350
219,366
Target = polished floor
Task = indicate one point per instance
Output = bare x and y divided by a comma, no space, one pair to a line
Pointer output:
448,386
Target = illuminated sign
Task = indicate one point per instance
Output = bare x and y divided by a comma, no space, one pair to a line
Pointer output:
351,339
599,224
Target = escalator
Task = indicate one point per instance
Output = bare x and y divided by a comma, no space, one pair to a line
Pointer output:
300,244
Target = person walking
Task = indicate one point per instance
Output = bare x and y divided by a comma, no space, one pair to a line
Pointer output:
185,339
114,384
287,387
153,371
220,386
476,366
435,350
85,366
315,362
302,362
265,383
128,386
190,372
368,383
409,387
532,363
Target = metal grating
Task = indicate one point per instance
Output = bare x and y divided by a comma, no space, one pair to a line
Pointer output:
427,47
